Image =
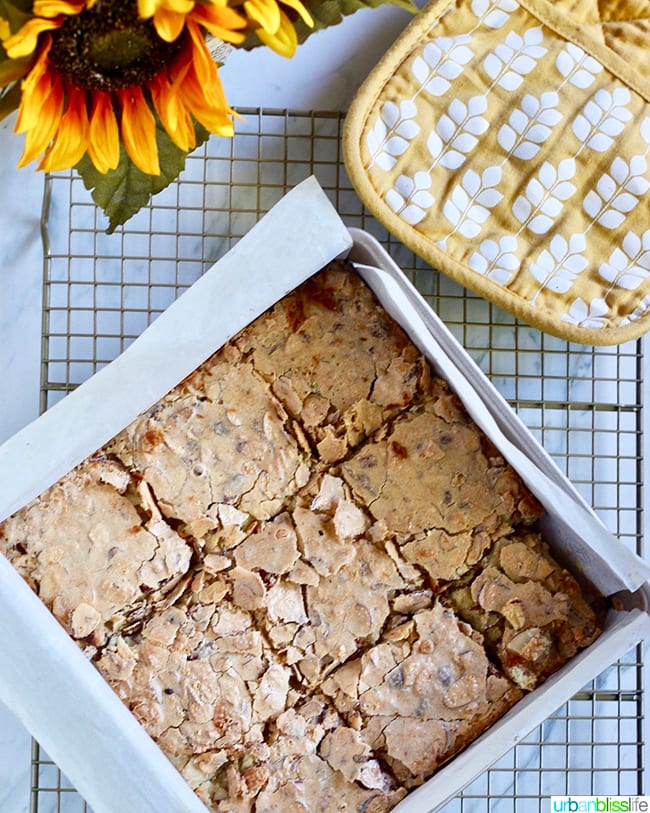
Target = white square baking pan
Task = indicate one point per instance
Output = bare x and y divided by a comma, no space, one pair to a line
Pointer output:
58,694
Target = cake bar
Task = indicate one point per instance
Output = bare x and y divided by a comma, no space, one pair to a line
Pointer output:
438,486
531,611
421,694
339,364
96,550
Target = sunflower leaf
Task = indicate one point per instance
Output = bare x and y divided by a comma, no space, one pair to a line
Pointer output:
331,12
13,69
9,99
122,192
16,13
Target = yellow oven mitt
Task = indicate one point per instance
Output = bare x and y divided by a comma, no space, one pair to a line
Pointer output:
508,144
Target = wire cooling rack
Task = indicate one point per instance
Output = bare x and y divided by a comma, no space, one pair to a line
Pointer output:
583,404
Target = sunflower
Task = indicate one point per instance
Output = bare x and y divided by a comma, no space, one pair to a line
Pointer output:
97,73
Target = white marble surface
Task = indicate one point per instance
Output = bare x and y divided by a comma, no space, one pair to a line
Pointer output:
323,76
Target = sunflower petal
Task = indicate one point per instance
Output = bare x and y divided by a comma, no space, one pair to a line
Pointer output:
285,41
173,114
35,88
103,134
5,29
52,8
71,139
147,8
265,13
24,41
220,22
296,5
47,97
138,128
207,103
169,24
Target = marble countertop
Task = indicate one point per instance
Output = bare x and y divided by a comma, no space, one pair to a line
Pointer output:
324,75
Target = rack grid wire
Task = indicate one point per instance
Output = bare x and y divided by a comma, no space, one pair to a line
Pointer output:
583,404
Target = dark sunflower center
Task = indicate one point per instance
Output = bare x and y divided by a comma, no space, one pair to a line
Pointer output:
109,47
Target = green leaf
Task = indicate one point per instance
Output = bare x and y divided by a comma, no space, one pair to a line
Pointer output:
13,69
9,100
122,192
331,12
16,13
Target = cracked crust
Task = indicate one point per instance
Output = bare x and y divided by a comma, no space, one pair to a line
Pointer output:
203,684
339,364
421,694
438,486
96,550
216,443
531,610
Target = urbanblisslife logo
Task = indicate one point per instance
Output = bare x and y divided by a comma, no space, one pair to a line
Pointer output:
600,804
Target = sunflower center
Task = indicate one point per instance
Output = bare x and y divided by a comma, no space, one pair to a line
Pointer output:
108,47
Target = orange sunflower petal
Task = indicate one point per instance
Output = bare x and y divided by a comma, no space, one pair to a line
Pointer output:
206,101
52,8
220,22
47,96
265,13
285,40
147,8
34,90
138,130
173,114
5,29
24,41
71,139
169,24
103,134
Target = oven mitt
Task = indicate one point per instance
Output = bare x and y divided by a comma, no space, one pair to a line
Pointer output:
508,144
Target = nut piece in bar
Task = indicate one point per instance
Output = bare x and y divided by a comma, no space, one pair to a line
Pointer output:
202,682
215,449
336,360
319,765
422,694
531,611
95,549
438,486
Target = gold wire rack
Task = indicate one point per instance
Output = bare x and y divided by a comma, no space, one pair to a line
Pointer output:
583,404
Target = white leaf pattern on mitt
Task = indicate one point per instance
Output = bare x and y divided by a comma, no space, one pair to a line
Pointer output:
515,58
557,266
392,133
645,130
617,192
441,62
640,310
544,196
496,261
468,206
593,315
494,14
529,125
409,197
456,131
602,118
628,266
576,66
